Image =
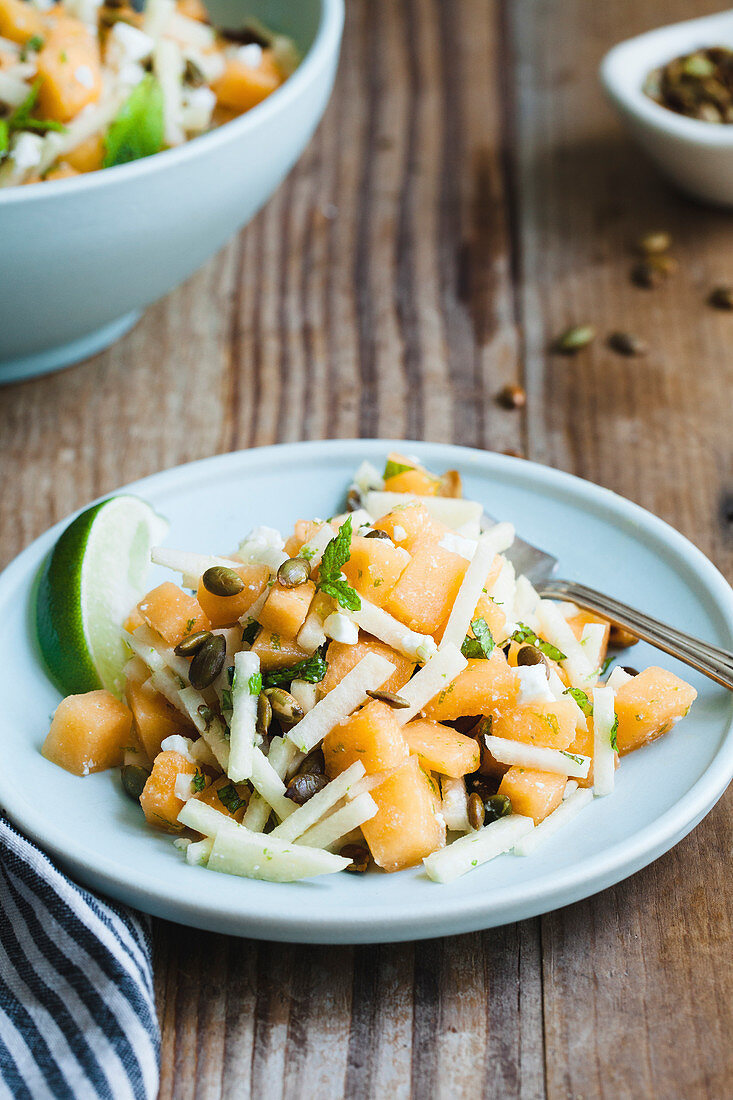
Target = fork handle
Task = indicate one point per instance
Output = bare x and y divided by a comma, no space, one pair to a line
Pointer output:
712,661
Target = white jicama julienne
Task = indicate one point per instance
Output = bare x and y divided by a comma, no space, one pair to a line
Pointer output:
452,511
454,805
592,640
555,629
430,680
319,805
566,811
312,634
198,852
507,751
618,678
148,640
255,855
559,693
204,819
604,756
503,593
312,550
268,783
242,730
281,756
210,725
305,694
477,847
187,563
338,824
369,675
489,545
374,620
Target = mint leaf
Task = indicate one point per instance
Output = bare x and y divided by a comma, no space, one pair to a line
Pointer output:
250,632
482,644
4,137
312,669
335,556
254,683
228,797
614,732
606,665
343,593
525,633
20,118
199,781
393,469
226,699
581,699
138,129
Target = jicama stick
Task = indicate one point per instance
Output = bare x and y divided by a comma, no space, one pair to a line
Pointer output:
432,678
370,673
507,751
477,847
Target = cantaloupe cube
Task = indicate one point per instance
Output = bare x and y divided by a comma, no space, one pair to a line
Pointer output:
484,687
133,621
374,567
415,480
649,705
578,622
159,801
532,793
69,66
173,613
492,613
233,794
285,609
20,21
551,725
411,526
304,531
441,748
88,155
227,610
372,735
423,596
341,658
241,87
583,745
155,718
405,828
88,732
193,9
62,171
276,652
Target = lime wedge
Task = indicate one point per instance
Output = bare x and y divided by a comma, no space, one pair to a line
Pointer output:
86,588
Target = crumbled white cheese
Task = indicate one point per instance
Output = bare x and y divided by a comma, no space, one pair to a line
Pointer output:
25,151
250,55
127,43
457,544
130,74
533,684
618,678
198,107
176,743
84,76
399,534
341,629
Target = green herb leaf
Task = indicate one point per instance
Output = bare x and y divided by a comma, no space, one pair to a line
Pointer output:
581,699
335,556
228,797
614,732
4,137
254,684
343,593
606,665
35,43
199,781
312,669
482,644
393,469
138,129
226,699
573,756
250,632
525,633
20,118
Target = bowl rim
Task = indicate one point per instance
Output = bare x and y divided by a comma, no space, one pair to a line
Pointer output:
324,45
621,82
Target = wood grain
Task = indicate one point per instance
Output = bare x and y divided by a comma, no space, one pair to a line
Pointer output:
467,196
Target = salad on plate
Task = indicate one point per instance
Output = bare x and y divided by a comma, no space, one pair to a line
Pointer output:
373,689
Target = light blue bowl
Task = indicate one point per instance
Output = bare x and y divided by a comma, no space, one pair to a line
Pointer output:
82,257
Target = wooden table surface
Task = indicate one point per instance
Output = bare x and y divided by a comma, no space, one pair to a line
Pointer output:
468,195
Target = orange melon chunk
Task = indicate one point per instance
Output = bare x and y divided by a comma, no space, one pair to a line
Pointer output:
411,526
441,748
241,87
172,612
423,596
374,568
533,793
648,705
372,735
210,795
159,801
405,828
88,733
305,529
88,155
415,480
19,21
155,718
70,68
275,652
583,619
551,725
285,609
484,687
341,658
227,610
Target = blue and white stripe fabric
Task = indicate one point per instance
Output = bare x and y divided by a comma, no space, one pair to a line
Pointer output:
77,1009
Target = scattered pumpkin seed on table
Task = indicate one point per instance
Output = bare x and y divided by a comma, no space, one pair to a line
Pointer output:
625,343
722,297
512,397
574,339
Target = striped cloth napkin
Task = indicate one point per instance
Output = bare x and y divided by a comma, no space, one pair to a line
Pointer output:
77,1011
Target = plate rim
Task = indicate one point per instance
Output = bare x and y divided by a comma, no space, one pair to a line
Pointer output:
617,862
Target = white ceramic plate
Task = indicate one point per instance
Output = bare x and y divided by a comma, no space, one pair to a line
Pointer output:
661,793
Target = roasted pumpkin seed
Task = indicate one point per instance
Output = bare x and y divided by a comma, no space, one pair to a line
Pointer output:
652,244
314,763
499,805
531,655
293,572
377,534
574,339
625,343
192,644
619,638
302,787
360,858
722,297
220,580
285,707
396,701
208,662
451,484
475,811
512,397
134,778
264,714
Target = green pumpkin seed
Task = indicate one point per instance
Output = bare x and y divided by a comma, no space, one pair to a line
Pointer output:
192,644
134,779
208,662
293,572
499,805
397,701
652,244
220,580
285,707
575,338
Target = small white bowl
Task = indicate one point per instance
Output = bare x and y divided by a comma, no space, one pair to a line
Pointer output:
82,257
696,156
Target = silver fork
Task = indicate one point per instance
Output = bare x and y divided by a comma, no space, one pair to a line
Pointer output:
539,568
